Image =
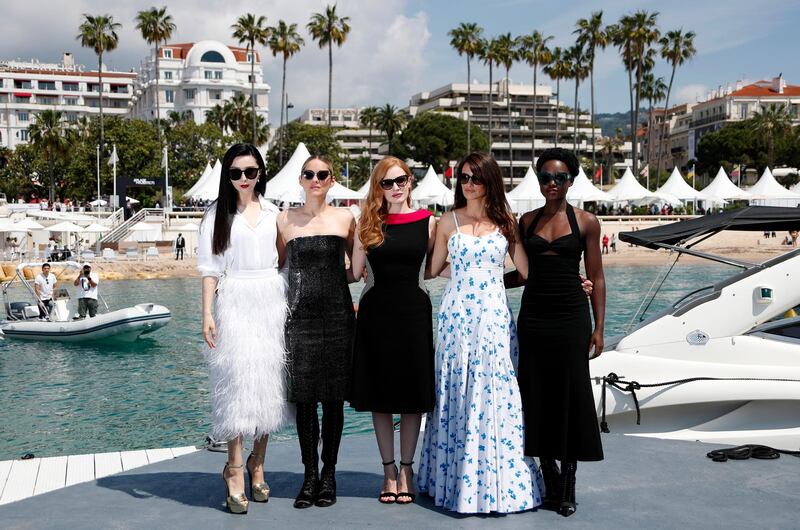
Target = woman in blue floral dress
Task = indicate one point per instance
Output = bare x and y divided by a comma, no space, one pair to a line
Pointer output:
472,458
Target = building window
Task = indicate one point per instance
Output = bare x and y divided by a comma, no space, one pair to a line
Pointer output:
188,94
23,116
168,75
22,99
93,87
250,78
167,53
70,101
217,74
212,57
22,84
70,87
208,74
249,57
215,94
47,100
169,96
3,99
23,135
743,110
47,85
72,117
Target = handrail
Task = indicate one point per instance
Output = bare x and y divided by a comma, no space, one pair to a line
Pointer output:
122,230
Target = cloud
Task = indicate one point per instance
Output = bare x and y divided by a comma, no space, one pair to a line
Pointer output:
689,94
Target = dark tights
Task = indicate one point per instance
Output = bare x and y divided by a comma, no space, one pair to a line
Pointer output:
308,432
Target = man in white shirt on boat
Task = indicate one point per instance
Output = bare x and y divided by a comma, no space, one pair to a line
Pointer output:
44,284
86,282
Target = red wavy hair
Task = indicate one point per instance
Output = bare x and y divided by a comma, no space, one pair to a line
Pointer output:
376,208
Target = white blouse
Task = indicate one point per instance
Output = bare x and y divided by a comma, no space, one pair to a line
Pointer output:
251,249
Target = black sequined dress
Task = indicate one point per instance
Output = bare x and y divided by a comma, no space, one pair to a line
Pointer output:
319,329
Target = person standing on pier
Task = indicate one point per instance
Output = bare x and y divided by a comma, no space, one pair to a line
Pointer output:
472,457
180,245
244,311
313,240
555,331
393,330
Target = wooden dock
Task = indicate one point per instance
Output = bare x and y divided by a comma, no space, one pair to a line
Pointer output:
20,479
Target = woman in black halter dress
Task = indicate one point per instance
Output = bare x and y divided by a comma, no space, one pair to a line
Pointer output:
556,338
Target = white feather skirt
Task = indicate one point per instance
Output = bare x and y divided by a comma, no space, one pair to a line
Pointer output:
247,369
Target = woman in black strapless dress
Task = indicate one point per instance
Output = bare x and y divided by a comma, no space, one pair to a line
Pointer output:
313,239
556,338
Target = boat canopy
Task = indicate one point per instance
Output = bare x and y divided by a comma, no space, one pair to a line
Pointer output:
749,218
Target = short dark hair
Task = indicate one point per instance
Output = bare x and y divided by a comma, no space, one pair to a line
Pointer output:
562,155
45,265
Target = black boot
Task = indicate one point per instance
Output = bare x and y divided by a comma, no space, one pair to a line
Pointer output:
308,434
567,506
551,476
332,424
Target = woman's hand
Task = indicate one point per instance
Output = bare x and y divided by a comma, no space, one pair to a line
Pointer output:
586,285
209,331
596,344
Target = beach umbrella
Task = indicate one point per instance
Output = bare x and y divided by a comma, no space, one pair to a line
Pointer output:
141,226
98,202
65,226
188,227
25,225
96,228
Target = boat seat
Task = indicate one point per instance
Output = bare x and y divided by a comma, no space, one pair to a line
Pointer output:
21,310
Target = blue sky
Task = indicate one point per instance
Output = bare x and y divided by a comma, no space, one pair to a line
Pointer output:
400,47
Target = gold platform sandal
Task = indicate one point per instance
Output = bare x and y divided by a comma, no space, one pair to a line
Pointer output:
258,492
237,503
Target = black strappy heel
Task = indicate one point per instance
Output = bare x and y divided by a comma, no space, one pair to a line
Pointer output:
392,495
411,496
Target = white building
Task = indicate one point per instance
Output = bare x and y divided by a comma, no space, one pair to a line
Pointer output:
27,88
195,77
352,136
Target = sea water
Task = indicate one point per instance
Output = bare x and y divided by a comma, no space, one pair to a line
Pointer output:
58,399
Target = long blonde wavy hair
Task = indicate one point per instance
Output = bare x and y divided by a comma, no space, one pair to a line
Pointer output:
376,208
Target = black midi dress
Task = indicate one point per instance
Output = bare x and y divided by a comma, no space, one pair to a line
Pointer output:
393,357
319,328
555,330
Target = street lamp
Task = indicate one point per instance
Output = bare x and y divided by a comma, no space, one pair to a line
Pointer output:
285,111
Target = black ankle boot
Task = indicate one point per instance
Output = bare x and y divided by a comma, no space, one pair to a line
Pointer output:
567,506
308,435
326,496
551,476
332,423
308,492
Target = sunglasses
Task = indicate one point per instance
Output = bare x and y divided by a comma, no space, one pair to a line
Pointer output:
321,175
235,173
559,178
401,182
476,180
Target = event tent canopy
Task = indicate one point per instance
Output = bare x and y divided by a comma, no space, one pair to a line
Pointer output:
527,195
24,225
768,188
628,189
582,190
207,188
722,189
675,185
203,176
363,191
65,226
286,180
431,190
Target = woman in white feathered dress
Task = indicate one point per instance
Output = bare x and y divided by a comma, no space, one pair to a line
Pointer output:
244,311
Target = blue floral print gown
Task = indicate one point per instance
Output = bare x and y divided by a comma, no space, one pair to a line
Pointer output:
472,458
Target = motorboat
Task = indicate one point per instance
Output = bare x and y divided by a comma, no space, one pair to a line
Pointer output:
27,319
720,365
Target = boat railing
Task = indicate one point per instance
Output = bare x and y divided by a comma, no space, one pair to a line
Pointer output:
688,296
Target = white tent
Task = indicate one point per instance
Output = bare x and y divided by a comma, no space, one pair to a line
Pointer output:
142,231
207,188
527,195
342,193
767,192
629,189
722,189
188,227
203,176
24,225
431,190
96,228
582,190
363,191
675,185
286,181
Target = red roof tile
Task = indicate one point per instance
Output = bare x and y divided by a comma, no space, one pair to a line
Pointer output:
762,89
180,51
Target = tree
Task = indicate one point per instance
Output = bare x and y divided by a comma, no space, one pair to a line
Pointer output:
578,70
50,134
156,26
534,50
328,29
285,40
608,148
466,39
99,32
390,121
489,53
507,54
216,115
592,35
237,114
368,117
435,139
558,69
772,120
320,140
360,171
677,47
654,91
251,30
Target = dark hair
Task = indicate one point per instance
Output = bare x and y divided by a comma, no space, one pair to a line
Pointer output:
225,205
497,208
45,265
562,155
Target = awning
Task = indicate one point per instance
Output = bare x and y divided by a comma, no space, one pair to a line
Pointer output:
749,218
22,94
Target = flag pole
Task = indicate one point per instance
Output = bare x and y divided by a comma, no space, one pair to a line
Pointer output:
97,148
115,199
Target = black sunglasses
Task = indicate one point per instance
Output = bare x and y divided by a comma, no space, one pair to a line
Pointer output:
321,175
401,182
235,173
476,180
559,178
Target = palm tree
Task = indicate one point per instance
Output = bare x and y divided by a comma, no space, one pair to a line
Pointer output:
507,54
368,117
653,90
216,115
237,114
578,70
644,34
773,119
608,147
50,134
328,29
251,30
534,50
592,35
466,39
558,69
285,40
390,121
677,47
99,32
489,53
156,27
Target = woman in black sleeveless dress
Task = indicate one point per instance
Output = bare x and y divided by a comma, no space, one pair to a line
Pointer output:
319,329
393,358
556,338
